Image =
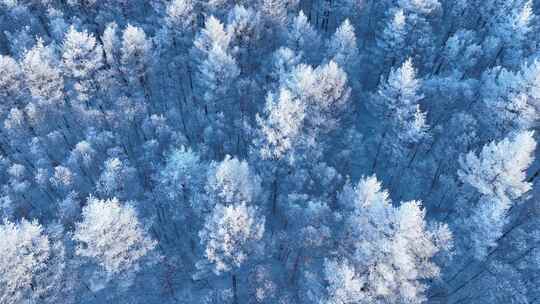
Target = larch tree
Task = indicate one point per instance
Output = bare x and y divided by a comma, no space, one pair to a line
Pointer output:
43,77
302,38
180,20
245,29
136,55
324,91
231,234
343,49
511,99
309,103
217,71
393,38
390,249
12,83
397,102
31,264
510,24
222,139
82,57
282,126
233,182
497,173
111,236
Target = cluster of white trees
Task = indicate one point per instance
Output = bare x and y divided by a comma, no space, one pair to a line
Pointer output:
269,151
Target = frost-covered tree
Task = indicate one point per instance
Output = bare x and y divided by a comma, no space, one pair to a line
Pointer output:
136,54
213,33
233,182
509,26
182,175
282,62
217,74
43,76
309,103
25,250
11,83
397,104
231,234
111,44
462,53
82,57
216,79
276,11
511,98
344,285
31,264
420,6
176,36
180,17
283,124
497,173
232,137
111,236
325,90
214,85
302,38
391,249
393,38
343,49
117,179
244,27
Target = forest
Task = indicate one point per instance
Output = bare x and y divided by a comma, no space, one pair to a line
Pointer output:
269,151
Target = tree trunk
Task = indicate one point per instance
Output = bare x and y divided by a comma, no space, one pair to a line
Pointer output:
374,166
234,286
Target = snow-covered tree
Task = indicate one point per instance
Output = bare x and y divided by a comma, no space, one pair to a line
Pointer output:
116,179
420,6
344,285
11,83
31,264
136,54
230,137
393,38
397,103
217,75
343,49
82,57
244,27
213,33
183,174
111,44
302,38
497,173
324,90
309,103
233,182
276,11
511,98
282,127
231,234
391,249
111,235
43,75
510,25
180,15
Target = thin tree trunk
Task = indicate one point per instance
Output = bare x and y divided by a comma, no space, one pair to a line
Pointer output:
234,286
374,166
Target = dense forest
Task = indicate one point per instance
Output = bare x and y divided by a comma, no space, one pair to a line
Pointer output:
269,151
